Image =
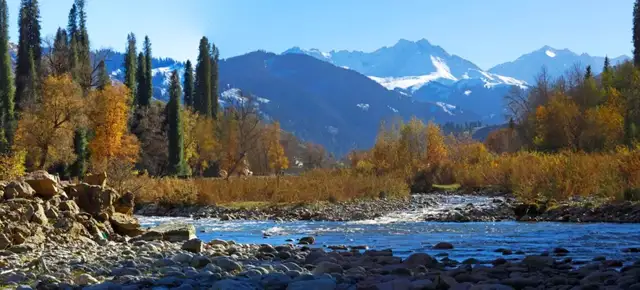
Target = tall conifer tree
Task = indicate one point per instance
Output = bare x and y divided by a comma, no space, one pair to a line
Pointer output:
7,89
29,52
176,139
202,100
148,77
636,33
188,84
130,65
215,56
103,76
140,79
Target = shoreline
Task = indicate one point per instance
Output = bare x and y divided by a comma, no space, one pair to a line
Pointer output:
482,207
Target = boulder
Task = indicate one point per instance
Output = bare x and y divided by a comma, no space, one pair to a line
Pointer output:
193,245
307,241
18,189
421,259
443,246
70,206
95,200
125,225
99,179
149,236
44,184
36,211
5,241
327,268
538,261
125,204
176,232
318,284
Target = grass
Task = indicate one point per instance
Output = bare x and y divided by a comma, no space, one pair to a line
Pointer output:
447,187
314,186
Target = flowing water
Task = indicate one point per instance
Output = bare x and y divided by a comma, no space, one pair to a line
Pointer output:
406,233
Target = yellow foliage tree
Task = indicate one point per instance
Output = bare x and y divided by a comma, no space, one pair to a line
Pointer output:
200,144
278,161
230,144
45,130
436,152
108,115
557,124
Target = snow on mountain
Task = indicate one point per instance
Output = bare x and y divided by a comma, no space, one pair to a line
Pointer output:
556,61
409,65
448,108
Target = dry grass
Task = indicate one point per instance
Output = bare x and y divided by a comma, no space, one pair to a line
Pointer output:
321,185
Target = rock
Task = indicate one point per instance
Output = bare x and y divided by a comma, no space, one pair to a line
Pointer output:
193,245
421,259
24,287
229,284
490,287
538,261
99,179
307,241
37,214
318,284
218,242
70,206
125,204
176,232
17,189
328,268
200,261
227,264
21,249
43,183
85,279
5,242
182,258
266,248
560,251
94,200
125,225
443,246
149,236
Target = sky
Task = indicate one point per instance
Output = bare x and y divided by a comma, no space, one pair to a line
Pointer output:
486,32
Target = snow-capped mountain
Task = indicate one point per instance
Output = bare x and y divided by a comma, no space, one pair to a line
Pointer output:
409,65
556,61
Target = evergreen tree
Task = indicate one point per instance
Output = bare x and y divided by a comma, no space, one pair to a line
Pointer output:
85,69
130,65
29,52
79,166
588,74
176,138
140,77
148,77
59,56
7,89
607,74
215,56
636,33
606,66
72,24
202,100
72,33
103,76
188,84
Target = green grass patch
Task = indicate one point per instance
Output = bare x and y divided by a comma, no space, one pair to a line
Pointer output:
447,187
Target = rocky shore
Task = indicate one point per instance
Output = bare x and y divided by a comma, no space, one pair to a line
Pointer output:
153,261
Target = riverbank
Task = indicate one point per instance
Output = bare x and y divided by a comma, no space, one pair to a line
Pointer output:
219,264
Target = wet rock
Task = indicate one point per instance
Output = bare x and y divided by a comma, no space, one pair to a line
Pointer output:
234,285
327,267
176,232
538,261
43,183
193,245
307,241
443,246
421,259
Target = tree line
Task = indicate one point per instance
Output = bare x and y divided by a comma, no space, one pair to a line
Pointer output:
61,111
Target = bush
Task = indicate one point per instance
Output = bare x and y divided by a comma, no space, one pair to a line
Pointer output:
12,166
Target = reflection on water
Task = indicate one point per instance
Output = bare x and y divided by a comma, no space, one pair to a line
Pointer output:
405,235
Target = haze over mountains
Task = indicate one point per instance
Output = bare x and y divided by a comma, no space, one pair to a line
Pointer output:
339,98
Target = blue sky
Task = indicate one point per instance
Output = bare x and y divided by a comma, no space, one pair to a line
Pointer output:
486,32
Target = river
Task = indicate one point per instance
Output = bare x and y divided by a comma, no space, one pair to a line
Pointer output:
407,232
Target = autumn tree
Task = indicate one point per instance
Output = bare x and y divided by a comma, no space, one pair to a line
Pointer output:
150,126
240,132
108,114
200,144
277,159
436,151
557,124
46,128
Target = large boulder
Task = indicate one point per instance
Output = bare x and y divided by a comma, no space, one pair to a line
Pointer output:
95,200
36,211
193,245
44,184
175,232
125,225
99,179
18,189
421,259
70,206
125,204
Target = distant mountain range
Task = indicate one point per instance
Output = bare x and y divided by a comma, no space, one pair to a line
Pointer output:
339,98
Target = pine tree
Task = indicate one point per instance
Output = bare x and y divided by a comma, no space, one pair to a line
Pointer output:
588,74
7,89
188,84
79,166
607,74
606,66
140,79
130,65
215,55
202,100
636,33
148,77
176,138
59,56
29,52
103,77
84,74
72,34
